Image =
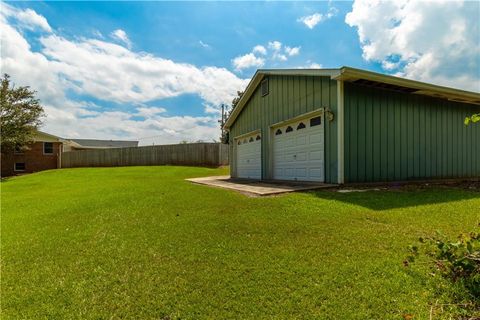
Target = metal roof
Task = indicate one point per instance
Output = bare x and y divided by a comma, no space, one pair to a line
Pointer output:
363,77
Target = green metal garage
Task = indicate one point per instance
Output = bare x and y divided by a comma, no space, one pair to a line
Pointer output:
351,126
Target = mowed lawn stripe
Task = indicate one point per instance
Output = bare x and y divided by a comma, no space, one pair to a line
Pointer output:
140,242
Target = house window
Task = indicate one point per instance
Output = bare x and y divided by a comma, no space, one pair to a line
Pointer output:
264,87
315,121
278,132
251,139
289,129
48,148
258,138
239,142
19,166
18,150
301,125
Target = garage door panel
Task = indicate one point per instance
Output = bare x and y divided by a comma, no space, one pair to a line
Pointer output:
301,173
289,142
316,155
301,156
289,172
249,161
301,140
316,172
277,172
316,137
299,153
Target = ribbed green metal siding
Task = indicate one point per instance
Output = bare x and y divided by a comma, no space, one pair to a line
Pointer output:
289,96
392,136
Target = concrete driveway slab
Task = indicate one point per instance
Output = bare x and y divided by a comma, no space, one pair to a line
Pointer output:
259,188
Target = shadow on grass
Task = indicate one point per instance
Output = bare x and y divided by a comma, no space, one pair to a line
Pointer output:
399,198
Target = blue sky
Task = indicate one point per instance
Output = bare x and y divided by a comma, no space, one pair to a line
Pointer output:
131,70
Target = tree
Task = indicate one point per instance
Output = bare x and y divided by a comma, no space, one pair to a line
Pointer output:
20,115
236,100
225,115
474,118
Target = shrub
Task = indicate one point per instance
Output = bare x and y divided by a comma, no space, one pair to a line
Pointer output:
457,261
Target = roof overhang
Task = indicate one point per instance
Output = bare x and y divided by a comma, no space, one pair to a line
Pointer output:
406,85
358,76
46,137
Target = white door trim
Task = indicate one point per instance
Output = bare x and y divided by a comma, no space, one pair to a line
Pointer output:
250,133
311,114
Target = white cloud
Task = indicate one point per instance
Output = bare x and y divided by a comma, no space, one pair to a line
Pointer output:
149,111
110,72
260,55
246,61
275,45
312,20
427,41
389,66
280,56
259,49
315,65
121,35
310,65
212,109
203,44
33,20
292,51
27,18
97,34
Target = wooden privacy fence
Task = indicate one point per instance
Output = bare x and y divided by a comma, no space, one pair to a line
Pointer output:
190,154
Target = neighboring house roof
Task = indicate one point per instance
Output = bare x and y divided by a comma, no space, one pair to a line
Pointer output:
41,136
102,144
358,76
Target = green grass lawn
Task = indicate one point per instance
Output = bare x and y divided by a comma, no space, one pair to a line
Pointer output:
142,243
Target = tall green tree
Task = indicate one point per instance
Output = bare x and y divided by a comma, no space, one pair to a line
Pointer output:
20,115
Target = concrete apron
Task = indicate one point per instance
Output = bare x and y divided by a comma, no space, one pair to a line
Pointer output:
259,188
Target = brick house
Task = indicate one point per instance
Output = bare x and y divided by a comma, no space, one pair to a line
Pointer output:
43,154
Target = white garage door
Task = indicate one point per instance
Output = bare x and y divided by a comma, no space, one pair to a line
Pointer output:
298,151
249,159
